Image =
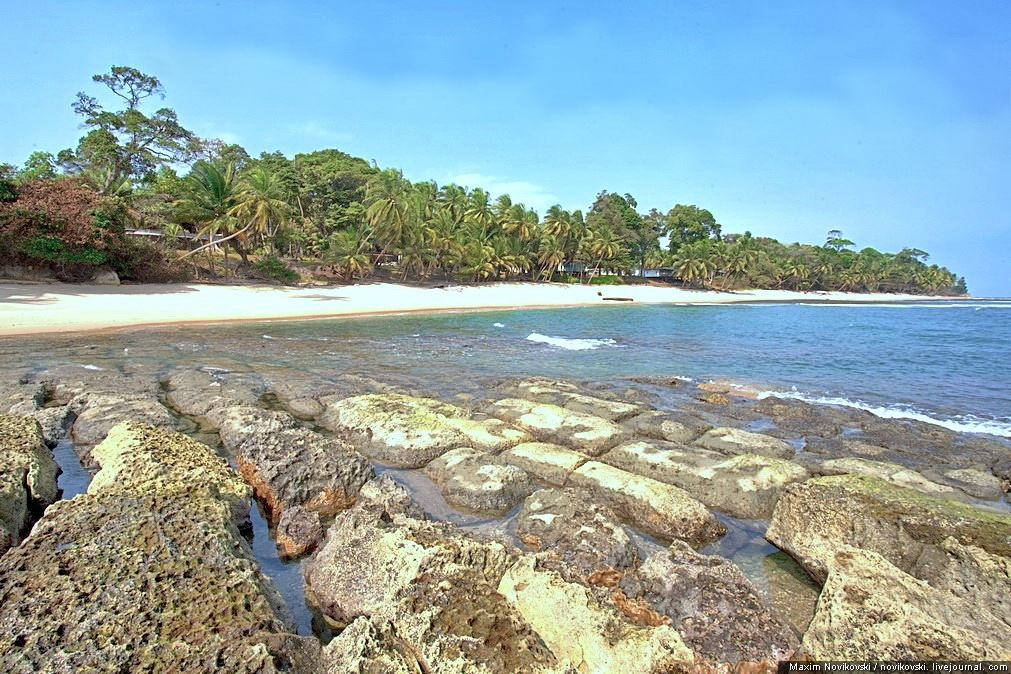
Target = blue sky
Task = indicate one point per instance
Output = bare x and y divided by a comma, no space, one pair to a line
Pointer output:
888,120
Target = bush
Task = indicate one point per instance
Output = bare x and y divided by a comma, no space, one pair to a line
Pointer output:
276,270
606,280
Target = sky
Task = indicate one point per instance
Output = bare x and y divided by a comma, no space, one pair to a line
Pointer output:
887,120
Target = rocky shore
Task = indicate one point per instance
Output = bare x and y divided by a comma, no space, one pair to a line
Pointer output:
584,514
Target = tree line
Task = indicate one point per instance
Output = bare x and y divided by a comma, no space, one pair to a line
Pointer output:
357,220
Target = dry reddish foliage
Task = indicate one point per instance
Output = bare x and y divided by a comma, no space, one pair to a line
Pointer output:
63,209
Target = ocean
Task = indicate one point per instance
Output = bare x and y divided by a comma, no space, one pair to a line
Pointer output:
946,362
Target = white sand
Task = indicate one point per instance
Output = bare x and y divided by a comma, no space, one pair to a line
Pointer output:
38,308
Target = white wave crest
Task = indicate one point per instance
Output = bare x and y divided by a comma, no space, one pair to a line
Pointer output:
498,325
961,423
570,344
91,367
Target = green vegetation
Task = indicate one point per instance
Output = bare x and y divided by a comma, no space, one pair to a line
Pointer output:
343,218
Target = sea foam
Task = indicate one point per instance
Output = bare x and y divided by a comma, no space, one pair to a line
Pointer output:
960,423
570,344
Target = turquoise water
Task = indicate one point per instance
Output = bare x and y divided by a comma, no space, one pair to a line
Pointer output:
948,362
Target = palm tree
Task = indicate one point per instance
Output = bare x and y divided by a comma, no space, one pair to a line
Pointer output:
210,191
259,204
344,251
604,244
694,262
386,209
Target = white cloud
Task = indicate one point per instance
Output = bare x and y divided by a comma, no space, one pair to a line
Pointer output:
531,194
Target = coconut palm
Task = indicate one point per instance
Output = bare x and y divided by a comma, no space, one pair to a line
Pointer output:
259,206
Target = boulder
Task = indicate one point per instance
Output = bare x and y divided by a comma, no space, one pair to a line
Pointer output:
291,466
101,411
736,441
717,610
582,534
567,395
54,423
745,486
586,433
298,532
408,432
678,427
547,462
178,590
589,634
27,477
871,610
902,525
659,509
105,277
479,481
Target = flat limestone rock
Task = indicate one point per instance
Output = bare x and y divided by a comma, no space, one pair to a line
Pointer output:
708,599
586,633
408,432
102,411
586,433
564,394
871,610
901,525
658,508
551,463
890,472
975,483
678,427
745,486
479,481
27,477
736,441
196,393
566,523
145,572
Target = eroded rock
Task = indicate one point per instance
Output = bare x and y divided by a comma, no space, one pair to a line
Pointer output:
178,590
568,524
586,433
547,462
736,441
717,610
569,396
408,432
291,466
871,610
897,523
590,634
27,477
479,481
658,508
678,427
745,486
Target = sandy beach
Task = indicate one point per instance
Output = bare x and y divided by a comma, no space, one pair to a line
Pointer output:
53,308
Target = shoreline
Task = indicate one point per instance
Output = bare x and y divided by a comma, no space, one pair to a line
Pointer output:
27,309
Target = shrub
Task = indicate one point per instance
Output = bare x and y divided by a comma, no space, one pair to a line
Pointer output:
275,269
606,280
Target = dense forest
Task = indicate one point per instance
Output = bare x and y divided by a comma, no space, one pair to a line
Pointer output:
145,197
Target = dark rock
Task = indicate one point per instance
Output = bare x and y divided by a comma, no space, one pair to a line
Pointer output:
670,426
567,523
799,416
298,532
712,604
289,465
